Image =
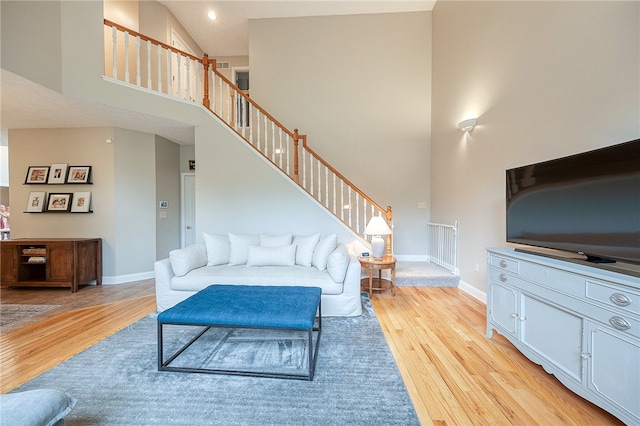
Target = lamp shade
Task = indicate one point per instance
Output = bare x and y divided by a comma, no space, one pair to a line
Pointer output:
377,226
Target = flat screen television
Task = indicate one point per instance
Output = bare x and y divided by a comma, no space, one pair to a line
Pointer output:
587,203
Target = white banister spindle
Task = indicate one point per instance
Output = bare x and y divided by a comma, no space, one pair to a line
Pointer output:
138,76
281,152
188,88
334,195
126,56
289,146
178,92
169,73
350,205
273,141
326,187
258,144
159,68
251,121
358,212
303,169
341,200
149,65
266,136
114,43
311,173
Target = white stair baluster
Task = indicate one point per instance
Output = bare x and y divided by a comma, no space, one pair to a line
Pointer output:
126,56
159,50
138,77
149,64
114,43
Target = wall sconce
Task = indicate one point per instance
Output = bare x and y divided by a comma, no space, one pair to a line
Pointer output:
468,125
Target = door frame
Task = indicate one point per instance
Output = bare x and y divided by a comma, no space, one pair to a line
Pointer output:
183,209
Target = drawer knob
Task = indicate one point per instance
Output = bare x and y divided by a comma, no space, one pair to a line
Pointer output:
503,278
503,263
620,299
620,323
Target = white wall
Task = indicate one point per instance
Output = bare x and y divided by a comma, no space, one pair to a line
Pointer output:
359,88
238,192
547,79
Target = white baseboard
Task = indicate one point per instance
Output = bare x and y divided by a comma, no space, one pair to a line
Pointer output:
121,279
473,292
411,257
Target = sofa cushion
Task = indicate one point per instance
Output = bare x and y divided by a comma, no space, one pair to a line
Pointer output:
306,244
297,275
324,248
218,249
186,259
337,263
275,240
38,407
239,247
272,256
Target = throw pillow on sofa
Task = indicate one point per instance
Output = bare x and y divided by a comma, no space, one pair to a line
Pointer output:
324,248
306,244
337,264
275,240
218,249
239,247
186,259
272,256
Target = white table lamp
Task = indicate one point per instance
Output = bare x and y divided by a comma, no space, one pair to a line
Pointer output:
377,227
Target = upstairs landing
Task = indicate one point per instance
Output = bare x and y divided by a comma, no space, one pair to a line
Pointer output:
424,274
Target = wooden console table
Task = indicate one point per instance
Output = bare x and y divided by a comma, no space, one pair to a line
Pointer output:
51,262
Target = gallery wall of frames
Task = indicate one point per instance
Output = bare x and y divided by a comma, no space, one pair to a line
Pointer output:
59,201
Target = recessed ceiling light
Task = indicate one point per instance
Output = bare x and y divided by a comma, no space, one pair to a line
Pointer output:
212,15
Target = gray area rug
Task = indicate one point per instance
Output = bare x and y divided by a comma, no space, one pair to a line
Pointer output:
356,382
10,313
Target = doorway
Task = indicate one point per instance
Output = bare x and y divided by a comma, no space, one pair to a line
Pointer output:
188,210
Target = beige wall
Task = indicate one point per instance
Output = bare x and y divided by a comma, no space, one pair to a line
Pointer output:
546,79
76,147
360,88
34,24
123,193
167,189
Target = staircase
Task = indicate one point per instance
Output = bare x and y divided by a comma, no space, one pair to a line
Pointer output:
138,60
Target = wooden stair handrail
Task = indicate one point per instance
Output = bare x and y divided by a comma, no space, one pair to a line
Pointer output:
295,135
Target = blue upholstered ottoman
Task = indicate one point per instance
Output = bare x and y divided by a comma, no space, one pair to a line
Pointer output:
243,306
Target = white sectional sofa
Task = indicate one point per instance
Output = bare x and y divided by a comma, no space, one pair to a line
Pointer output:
261,259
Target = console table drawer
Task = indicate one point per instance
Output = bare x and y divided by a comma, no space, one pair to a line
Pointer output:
505,263
614,296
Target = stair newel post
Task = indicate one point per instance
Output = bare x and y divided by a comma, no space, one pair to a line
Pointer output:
296,137
389,216
205,65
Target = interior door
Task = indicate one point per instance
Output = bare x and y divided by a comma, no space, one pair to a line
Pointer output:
188,209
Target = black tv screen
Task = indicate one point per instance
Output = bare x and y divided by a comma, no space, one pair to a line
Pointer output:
587,203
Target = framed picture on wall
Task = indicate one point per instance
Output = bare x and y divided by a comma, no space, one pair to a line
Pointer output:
58,173
37,174
81,202
36,202
59,202
79,174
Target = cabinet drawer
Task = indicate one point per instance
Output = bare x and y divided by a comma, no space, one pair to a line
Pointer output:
614,296
505,263
623,323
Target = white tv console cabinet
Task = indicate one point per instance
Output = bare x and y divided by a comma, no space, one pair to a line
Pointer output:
579,322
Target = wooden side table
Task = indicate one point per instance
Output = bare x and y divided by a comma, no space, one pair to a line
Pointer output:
380,284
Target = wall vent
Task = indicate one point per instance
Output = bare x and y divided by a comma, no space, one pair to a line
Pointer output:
223,65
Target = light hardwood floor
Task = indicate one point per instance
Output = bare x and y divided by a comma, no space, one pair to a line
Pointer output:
454,374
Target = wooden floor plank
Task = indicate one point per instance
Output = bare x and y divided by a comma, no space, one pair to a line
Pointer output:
453,373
